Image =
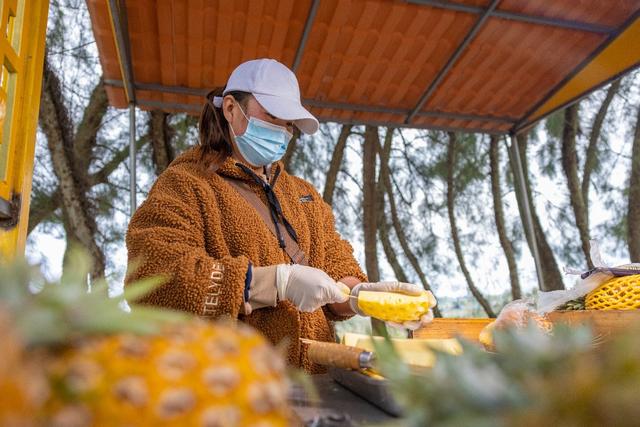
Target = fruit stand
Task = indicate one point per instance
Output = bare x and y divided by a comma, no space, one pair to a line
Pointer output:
476,66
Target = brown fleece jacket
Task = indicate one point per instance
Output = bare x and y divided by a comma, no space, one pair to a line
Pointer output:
198,232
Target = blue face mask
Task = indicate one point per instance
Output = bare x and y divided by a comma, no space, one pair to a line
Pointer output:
262,143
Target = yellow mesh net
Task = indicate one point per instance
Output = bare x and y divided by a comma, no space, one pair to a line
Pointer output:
619,293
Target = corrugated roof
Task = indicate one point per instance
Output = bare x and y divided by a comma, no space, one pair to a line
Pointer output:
475,65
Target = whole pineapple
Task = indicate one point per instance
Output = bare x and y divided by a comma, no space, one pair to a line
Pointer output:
22,386
104,366
617,293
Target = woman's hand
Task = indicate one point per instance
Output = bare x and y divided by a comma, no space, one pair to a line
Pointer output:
399,287
308,288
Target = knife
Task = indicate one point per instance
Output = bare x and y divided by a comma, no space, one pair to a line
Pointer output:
348,357
338,355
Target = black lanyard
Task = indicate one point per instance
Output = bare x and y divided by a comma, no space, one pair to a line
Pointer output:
274,205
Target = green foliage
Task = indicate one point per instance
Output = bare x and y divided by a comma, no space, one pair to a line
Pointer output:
185,129
554,125
548,154
533,379
60,312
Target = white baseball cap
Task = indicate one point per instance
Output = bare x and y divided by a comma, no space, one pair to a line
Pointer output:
275,87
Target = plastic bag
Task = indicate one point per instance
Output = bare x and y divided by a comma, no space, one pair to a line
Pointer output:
519,313
589,281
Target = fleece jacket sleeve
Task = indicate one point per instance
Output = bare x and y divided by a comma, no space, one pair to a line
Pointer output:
338,261
166,238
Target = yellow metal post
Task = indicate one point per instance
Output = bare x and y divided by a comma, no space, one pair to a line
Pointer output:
22,43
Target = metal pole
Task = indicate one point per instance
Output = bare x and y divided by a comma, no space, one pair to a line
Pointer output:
132,157
519,177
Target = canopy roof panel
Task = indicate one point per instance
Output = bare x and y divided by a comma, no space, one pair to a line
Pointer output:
476,65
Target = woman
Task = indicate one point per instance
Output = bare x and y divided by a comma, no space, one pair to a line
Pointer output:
235,235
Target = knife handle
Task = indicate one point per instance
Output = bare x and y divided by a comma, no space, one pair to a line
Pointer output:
338,355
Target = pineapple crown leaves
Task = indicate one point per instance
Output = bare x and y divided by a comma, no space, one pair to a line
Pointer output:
479,388
55,313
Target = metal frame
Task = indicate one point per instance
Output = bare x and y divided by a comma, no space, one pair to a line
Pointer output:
119,22
523,122
132,159
452,60
414,126
305,34
191,108
514,16
172,106
399,111
182,90
518,171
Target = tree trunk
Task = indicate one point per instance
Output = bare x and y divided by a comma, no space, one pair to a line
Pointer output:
591,156
291,148
43,205
383,224
570,167
633,215
389,251
498,211
161,135
451,161
85,137
56,124
336,162
385,178
369,202
596,129
551,277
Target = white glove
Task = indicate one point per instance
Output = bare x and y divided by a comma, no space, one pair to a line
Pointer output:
308,288
399,287
412,325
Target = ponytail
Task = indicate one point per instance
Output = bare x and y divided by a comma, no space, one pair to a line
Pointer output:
215,140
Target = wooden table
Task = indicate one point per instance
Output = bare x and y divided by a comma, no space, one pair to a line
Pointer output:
603,323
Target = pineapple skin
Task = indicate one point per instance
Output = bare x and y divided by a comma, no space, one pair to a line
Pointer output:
201,374
395,307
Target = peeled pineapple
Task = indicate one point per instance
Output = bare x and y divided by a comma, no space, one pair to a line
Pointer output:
414,351
103,366
395,307
486,336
